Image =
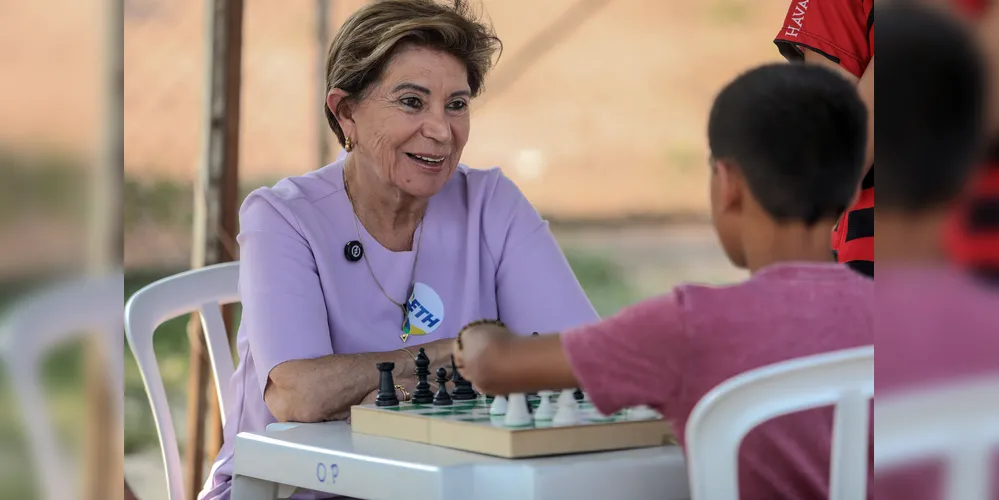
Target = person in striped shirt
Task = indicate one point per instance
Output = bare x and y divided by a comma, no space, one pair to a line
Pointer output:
973,233
839,34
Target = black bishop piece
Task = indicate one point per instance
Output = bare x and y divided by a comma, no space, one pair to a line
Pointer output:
442,398
423,395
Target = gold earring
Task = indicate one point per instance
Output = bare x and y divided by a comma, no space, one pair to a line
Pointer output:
347,145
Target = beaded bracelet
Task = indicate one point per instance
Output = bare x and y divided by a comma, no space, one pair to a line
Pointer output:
477,323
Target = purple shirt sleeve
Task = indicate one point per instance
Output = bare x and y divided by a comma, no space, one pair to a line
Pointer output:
284,312
536,290
632,358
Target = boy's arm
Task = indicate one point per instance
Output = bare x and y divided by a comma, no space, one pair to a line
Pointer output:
499,362
632,358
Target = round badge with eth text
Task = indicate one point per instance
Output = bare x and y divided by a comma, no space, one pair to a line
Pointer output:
426,310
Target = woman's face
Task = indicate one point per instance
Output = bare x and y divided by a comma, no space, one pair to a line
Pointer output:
412,126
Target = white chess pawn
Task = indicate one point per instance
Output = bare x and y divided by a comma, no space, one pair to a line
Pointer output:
545,410
642,412
499,406
516,411
566,414
566,398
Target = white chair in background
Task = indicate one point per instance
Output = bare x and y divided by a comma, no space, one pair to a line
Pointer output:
958,422
203,291
723,417
34,326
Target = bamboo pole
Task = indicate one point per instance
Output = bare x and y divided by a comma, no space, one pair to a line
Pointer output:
322,46
103,468
215,220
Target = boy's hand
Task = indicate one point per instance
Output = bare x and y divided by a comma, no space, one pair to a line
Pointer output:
475,344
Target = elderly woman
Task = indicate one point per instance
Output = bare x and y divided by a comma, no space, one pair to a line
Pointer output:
395,246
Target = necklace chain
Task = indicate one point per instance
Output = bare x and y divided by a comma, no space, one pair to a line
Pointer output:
416,259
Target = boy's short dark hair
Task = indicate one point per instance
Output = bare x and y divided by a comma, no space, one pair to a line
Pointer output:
932,121
798,133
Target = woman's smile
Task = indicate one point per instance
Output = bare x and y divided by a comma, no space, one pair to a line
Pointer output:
427,162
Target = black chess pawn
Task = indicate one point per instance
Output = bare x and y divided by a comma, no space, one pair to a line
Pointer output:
463,390
578,394
442,398
386,386
531,395
423,395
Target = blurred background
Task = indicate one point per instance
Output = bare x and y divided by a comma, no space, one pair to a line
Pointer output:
597,110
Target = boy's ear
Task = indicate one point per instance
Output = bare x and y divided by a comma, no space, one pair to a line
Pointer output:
731,185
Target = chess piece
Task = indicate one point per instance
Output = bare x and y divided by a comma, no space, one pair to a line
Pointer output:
442,398
423,395
517,414
642,412
545,410
566,415
531,394
386,387
566,398
463,390
578,395
499,406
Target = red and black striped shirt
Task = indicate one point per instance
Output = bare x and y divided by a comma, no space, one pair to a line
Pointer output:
843,31
973,234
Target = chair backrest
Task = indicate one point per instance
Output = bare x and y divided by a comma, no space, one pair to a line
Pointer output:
44,320
203,291
958,422
723,417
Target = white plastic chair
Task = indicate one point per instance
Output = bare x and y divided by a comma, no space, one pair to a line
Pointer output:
958,422
723,417
201,290
30,330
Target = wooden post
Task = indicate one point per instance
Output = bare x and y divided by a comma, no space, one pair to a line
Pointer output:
103,467
215,217
322,48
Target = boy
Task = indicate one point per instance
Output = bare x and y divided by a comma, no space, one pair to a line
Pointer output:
787,144
973,235
935,323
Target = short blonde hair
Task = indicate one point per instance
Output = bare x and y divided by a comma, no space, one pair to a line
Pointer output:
369,38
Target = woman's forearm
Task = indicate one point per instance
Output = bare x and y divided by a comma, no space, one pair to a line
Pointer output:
322,389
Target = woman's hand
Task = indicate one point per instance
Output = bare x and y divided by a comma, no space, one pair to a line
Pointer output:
478,345
439,353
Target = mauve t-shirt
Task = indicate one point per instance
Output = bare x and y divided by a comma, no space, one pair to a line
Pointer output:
485,253
934,326
669,351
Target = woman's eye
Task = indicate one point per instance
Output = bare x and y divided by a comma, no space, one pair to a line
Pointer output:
411,102
457,105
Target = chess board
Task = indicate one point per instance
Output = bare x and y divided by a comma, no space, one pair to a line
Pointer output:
468,426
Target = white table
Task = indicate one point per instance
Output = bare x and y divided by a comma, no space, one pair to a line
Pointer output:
328,457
